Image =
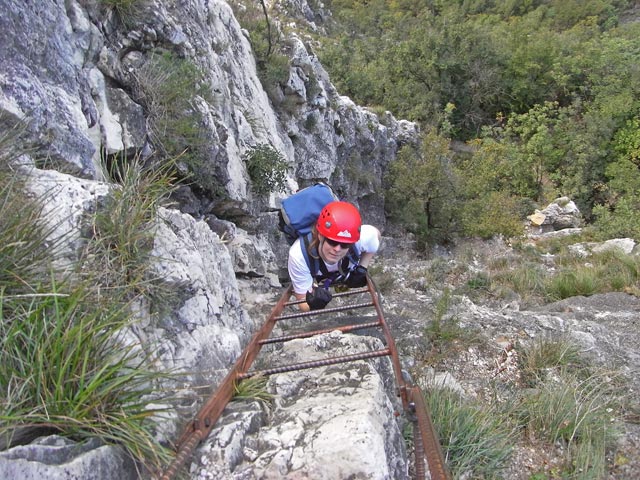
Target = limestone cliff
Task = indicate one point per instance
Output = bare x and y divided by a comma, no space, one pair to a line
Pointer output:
79,76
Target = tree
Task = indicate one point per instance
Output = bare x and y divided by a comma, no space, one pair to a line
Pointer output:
422,189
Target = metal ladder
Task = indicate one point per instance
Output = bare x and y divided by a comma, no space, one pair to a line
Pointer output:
427,449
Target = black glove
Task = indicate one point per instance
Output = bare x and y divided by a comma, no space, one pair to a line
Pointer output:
357,277
318,299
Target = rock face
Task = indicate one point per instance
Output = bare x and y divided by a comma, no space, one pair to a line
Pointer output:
603,327
71,82
326,422
58,458
70,72
45,79
77,97
201,332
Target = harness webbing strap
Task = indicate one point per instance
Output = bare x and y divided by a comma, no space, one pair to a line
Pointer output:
315,263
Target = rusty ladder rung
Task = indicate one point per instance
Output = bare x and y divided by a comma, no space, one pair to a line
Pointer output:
428,446
343,329
326,310
317,363
351,291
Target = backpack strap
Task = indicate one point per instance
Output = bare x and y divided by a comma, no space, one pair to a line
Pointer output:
313,262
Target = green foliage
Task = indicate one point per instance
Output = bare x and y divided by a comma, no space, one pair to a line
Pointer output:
267,169
66,361
119,252
27,248
169,88
619,215
265,36
127,11
421,190
120,4
624,221
535,153
65,365
475,438
253,388
431,192
495,213
552,83
578,413
274,71
23,238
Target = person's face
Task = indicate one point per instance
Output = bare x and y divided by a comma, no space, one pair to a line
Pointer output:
332,251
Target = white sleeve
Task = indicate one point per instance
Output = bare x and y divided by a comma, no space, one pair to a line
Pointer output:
301,278
369,239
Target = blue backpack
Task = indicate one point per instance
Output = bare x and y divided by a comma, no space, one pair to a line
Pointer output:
300,211
298,215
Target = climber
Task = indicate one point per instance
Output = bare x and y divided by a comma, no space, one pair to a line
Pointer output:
336,252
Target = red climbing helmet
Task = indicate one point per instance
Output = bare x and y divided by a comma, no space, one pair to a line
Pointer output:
339,221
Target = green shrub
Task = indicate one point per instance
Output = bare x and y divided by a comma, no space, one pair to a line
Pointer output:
265,36
167,86
421,193
623,220
267,169
495,213
274,71
128,11
479,281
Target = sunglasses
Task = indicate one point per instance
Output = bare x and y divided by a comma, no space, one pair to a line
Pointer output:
334,244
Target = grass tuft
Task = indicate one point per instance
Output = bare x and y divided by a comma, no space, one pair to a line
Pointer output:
67,362
544,354
119,252
444,334
577,413
571,275
65,365
253,388
475,438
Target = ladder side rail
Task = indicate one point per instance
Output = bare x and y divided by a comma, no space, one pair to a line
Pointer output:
391,344
429,440
210,412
